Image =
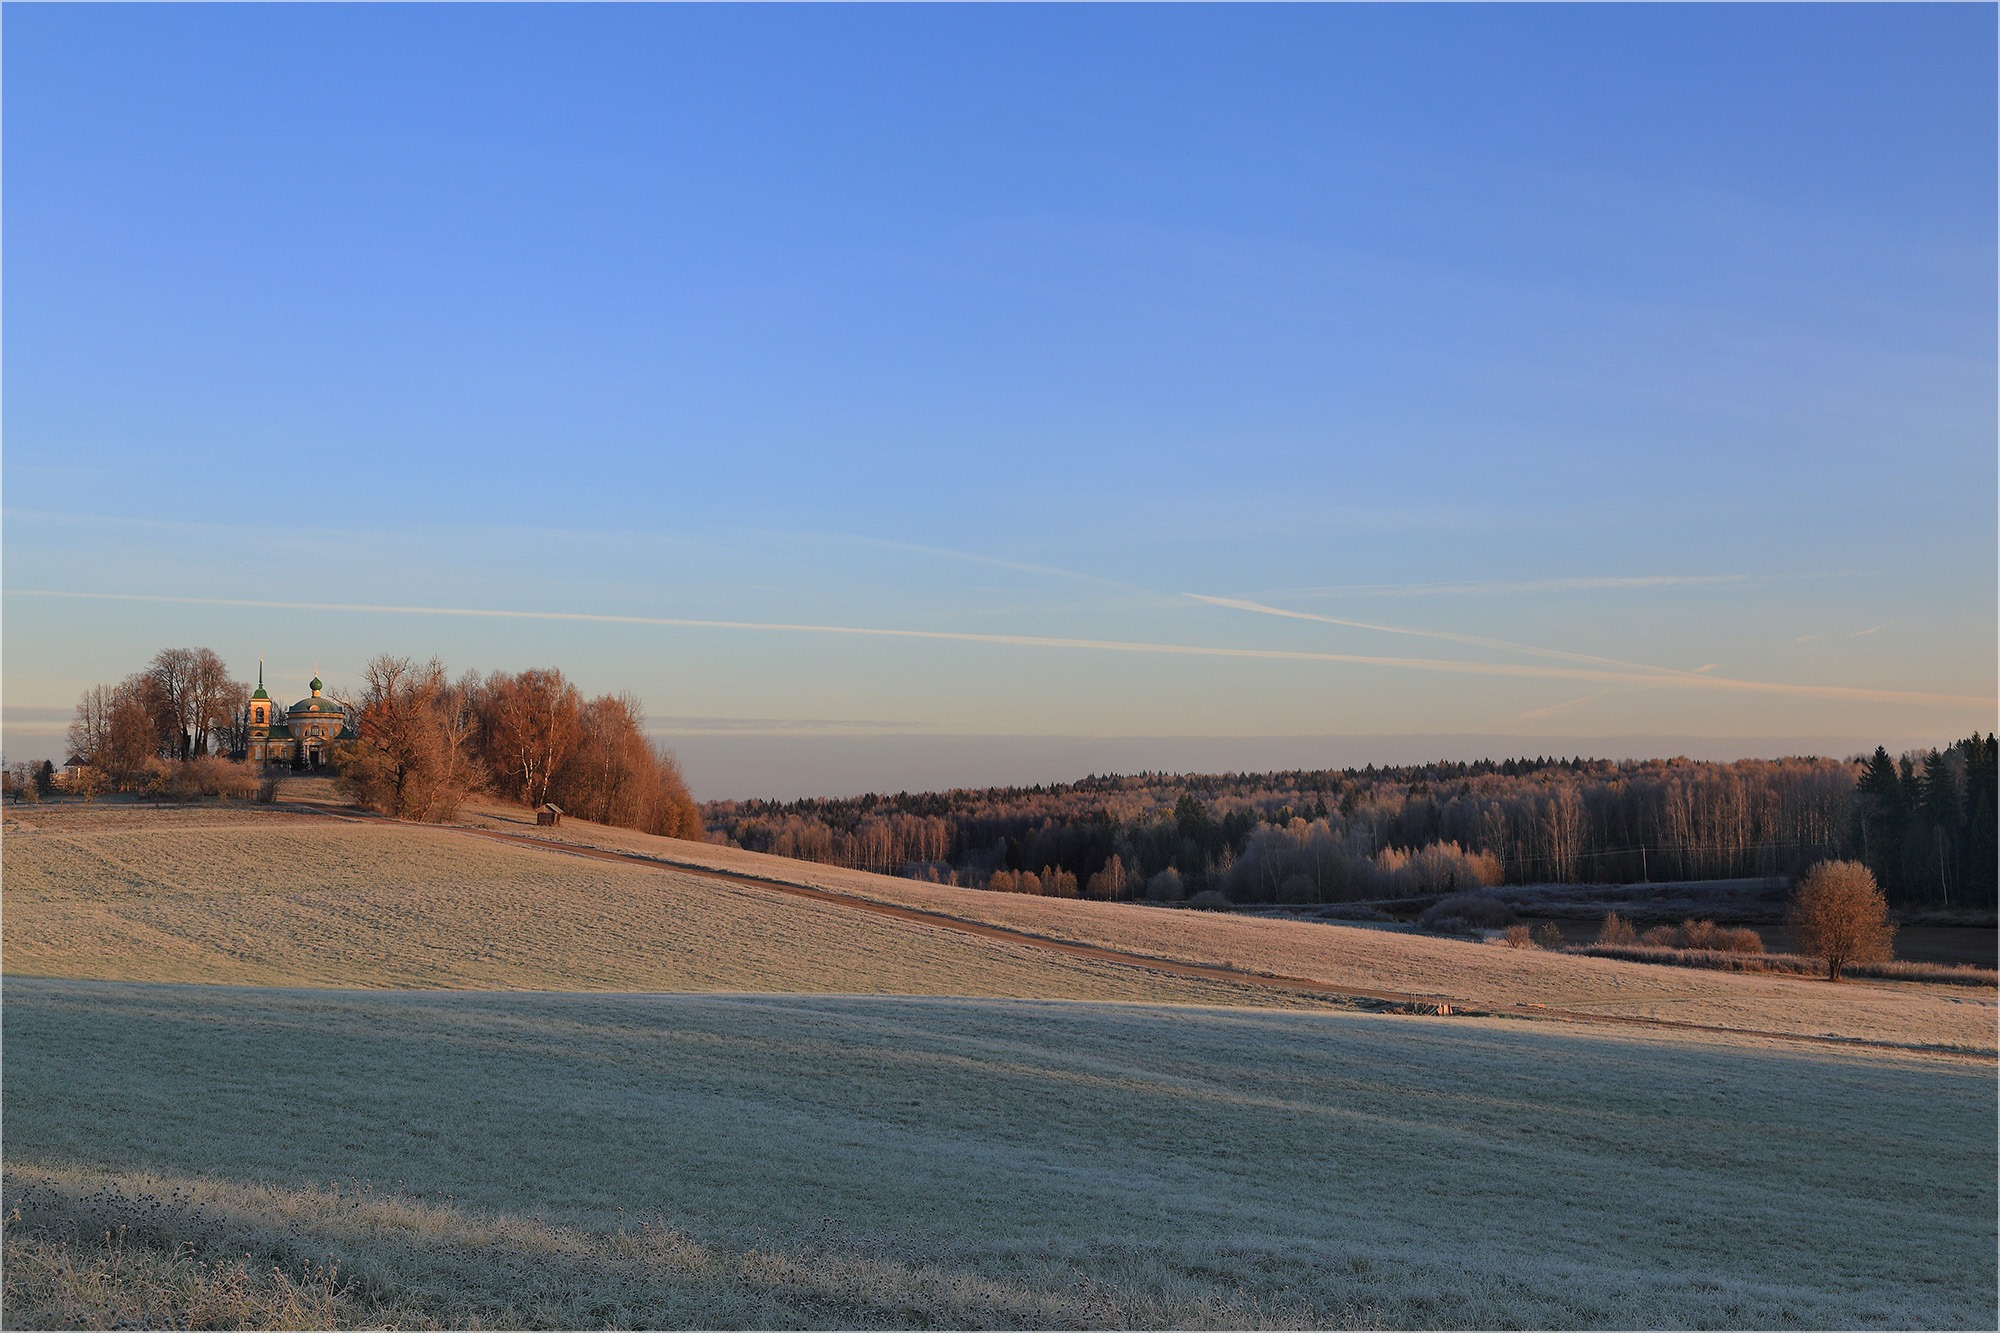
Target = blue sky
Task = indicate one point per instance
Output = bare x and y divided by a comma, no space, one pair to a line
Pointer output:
1574,352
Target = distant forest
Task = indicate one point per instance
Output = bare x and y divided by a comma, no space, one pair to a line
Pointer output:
1924,822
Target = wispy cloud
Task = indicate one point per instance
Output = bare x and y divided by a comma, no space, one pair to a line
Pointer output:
1554,710
1503,589
782,726
1851,634
1447,636
967,557
1646,678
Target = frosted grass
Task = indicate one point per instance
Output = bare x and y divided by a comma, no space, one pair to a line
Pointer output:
854,1160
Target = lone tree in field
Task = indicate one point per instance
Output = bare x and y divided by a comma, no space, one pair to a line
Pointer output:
1838,914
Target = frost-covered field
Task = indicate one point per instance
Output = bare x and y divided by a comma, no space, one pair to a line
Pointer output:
1367,959
263,899
827,1117
847,1160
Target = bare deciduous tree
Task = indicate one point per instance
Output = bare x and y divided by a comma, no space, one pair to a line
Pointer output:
132,737
92,724
1839,914
232,730
670,809
212,698
530,723
410,756
172,674
195,698
615,776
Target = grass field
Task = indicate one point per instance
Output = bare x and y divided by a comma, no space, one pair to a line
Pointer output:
899,1161
254,899
1367,958
250,897
823,1117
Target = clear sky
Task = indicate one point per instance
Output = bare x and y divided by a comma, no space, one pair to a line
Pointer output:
1186,386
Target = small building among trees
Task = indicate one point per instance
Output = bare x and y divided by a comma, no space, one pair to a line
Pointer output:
298,736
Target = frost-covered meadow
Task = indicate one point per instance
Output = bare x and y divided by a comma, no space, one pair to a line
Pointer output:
904,1161
405,1052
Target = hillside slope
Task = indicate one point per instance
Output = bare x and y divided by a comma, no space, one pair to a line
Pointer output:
275,897
267,898
1369,959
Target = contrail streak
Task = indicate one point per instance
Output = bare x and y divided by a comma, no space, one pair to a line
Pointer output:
1711,684
1447,635
1532,585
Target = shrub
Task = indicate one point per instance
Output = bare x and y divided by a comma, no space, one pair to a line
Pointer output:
1742,940
88,782
181,782
155,778
213,775
1838,914
1689,934
1549,936
1166,886
1464,913
1519,937
1697,934
1949,974
1211,900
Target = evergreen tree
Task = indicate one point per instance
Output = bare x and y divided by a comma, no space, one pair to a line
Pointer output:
1980,856
1883,816
1942,818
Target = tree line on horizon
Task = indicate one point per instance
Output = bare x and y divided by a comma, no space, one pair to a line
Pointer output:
1924,824
423,741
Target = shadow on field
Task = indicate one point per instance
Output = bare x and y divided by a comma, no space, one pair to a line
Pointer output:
758,1160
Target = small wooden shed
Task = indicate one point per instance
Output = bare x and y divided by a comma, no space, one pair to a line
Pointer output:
548,816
